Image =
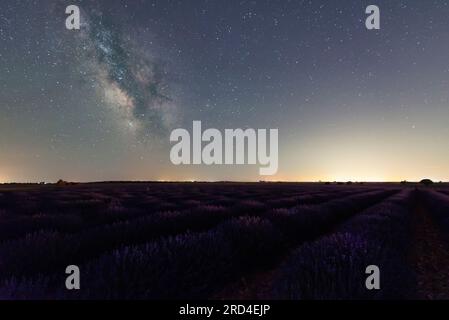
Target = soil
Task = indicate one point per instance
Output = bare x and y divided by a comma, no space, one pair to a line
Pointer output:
430,256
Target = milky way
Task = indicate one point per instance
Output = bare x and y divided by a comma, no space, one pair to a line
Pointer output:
129,79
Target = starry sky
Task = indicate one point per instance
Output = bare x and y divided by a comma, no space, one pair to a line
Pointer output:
99,103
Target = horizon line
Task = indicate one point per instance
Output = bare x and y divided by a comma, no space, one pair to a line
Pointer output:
216,181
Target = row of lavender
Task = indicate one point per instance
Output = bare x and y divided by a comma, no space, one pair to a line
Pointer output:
438,203
23,256
334,266
146,258
75,211
87,198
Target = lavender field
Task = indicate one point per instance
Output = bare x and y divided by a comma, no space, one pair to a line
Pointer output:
224,240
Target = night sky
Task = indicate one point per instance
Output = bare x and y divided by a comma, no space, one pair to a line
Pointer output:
100,103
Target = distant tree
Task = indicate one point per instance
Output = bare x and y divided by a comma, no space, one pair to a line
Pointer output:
404,182
349,182
64,183
426,182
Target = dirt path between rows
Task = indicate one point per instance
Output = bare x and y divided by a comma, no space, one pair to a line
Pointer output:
430,256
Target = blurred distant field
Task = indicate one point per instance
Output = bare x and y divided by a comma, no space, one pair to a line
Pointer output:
224,240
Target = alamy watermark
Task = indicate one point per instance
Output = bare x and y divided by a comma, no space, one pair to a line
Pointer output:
238,146
72,282
373,280
72,22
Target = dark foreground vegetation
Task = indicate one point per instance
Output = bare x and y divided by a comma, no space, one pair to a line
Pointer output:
221,241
